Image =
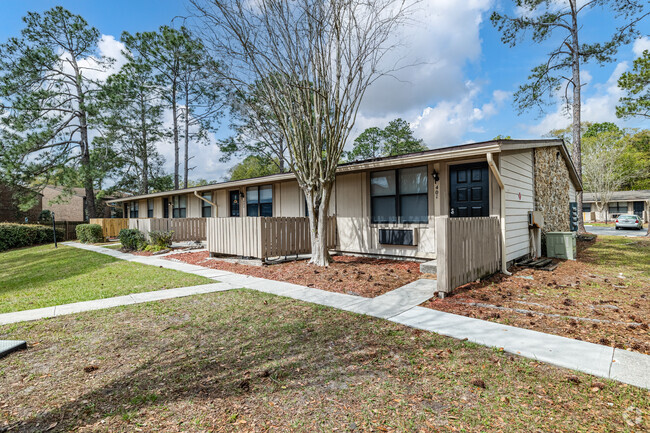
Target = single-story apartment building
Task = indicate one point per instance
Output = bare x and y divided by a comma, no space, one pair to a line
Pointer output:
388,206
621,202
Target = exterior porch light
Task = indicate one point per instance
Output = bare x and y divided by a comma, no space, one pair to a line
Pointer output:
435,175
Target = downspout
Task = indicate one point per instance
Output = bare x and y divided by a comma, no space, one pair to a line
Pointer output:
216,208
497,176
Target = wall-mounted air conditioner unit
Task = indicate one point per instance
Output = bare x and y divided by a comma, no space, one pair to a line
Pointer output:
398,236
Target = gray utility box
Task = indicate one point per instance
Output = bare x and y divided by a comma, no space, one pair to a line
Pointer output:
561,245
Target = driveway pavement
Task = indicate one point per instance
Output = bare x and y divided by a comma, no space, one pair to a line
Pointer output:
399,306
611,231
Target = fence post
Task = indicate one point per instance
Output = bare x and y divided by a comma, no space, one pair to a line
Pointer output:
442,253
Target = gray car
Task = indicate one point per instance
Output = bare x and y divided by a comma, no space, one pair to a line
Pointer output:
628,222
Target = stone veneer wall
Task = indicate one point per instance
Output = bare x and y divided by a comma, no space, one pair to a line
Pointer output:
552,189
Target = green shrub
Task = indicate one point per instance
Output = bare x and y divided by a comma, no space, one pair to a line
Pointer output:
89,233
45,217
24,235
161,238
132,239
154,248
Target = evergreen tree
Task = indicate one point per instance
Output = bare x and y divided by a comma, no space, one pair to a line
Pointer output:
46,88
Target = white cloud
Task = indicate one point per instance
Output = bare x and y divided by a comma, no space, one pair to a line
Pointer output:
640,45
599,107
446,123
107,46
436,47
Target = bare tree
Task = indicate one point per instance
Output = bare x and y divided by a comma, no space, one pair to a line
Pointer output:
314,61
602,171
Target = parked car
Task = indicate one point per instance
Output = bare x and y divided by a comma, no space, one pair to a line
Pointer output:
628,222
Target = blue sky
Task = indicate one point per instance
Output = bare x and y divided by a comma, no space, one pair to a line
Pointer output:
461,91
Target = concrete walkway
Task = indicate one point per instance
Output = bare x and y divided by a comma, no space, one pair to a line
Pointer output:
399,306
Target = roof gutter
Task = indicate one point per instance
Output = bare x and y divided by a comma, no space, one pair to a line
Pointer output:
497,176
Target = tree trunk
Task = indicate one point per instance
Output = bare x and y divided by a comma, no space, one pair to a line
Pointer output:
319,203
187,136
175,127
144,150
576,106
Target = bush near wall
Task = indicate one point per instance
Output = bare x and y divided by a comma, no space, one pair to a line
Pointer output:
25,235
89,233
132,239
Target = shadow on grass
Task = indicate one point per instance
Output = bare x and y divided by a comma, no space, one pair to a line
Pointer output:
210,358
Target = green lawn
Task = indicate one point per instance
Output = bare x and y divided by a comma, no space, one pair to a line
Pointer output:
247,361
43,276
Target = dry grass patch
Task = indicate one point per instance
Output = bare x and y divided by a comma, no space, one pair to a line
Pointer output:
245,361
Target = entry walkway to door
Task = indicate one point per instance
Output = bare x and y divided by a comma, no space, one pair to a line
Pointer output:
399,306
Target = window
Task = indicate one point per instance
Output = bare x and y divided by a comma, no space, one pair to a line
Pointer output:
133,210
399,196
206,208
165,207
618,207
234,203
259,200
150,208
586,207
179,208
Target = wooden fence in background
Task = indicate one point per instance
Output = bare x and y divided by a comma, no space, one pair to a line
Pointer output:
68,228
185,229
111,226
263,237
467,249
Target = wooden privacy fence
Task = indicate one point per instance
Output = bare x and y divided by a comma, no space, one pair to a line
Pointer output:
111,226
467,249
185,229
68,227
263,237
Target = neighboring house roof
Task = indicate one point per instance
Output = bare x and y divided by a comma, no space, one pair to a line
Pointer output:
459,151
638,195
81,192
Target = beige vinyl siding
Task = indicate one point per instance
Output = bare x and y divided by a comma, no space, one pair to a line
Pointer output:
288,198
358,235
221,199
517,172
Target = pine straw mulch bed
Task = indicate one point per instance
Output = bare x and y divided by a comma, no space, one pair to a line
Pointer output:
603,297
361,276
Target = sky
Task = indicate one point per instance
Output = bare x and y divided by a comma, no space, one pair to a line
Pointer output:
458,90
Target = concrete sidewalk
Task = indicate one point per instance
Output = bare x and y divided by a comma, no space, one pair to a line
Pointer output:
399,306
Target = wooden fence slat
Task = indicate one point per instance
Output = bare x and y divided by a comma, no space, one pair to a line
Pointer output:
467,249
263,237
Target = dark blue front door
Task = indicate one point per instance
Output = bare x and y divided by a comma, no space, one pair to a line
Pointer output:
469,189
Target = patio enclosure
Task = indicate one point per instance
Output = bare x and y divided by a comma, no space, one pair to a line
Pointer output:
263,237
185,229
468,249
